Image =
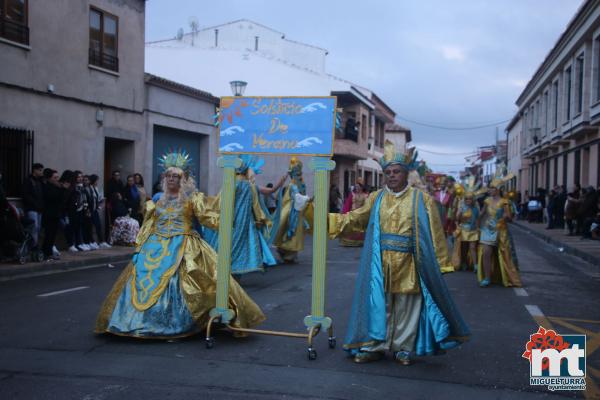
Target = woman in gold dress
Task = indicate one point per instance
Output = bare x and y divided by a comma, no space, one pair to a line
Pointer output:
169,287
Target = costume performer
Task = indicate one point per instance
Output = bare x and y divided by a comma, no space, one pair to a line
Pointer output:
401,301
291,220
169,287
356,199
249,249
445,198
496,256
466,235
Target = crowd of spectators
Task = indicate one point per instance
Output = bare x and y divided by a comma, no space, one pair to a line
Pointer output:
73,203
577,210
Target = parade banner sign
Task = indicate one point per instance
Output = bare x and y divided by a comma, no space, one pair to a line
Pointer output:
277,125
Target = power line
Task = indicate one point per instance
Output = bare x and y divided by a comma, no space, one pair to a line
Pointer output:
445,154
464,128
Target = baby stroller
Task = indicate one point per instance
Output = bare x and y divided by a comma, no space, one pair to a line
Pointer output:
17,236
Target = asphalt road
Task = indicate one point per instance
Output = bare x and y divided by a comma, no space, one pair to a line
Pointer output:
48,350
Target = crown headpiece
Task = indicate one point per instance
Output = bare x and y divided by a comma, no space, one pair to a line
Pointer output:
178,159
391,156
472,187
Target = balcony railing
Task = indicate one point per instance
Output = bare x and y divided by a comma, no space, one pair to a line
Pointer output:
14,31
104,60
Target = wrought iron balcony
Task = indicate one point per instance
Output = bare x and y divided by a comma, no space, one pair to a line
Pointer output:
14,31
104,60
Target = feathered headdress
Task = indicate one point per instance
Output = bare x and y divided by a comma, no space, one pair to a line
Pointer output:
250,162
391,156
472,187
501,176
178,159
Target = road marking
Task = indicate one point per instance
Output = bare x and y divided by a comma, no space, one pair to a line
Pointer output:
521,292
538,316
63,291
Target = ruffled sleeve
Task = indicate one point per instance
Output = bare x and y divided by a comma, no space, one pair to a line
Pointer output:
353,221
205,211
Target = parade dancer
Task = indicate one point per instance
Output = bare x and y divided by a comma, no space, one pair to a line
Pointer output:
356,199
466,235
401,301
249,248
169,287
496,255
294,210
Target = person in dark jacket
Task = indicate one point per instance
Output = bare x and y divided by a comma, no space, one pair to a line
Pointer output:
76,208
559,207
33,199
114,185
55,196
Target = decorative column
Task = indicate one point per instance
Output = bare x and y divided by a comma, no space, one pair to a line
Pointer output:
229,163
321,166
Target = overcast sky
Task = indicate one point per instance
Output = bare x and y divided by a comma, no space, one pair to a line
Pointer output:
458,63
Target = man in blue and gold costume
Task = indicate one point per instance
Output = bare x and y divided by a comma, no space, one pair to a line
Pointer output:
401,302
169,287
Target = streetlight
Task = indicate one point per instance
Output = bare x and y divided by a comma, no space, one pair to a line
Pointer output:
238,87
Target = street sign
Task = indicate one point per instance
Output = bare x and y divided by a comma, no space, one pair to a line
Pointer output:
303,126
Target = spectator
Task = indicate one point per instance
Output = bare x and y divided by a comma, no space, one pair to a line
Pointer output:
139,182
55,197
96,207
335,199
86,221
550,209
76,207
588,211
114,185
270,201
132,199
572,208
124,228
559,207
33,199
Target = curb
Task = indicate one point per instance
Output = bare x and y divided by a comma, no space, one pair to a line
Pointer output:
567,248
43,268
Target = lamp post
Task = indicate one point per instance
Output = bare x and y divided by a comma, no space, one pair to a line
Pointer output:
238,87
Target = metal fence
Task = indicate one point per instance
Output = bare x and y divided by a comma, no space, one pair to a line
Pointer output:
16,158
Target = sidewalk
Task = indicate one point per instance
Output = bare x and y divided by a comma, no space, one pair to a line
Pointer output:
589,250
68,261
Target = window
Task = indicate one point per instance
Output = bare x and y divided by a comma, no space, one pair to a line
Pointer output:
568,94
13,21
104,37
546,113
597,68
555,105
579,83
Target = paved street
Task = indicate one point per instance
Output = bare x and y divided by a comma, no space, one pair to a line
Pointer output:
49,351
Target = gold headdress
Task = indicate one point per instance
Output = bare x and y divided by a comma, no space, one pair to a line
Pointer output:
500,177
472,188
391,156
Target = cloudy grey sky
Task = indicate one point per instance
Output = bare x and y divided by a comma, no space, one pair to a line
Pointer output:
458,63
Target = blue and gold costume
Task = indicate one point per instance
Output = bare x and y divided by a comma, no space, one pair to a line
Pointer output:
293,215
249,248
169,287
401,301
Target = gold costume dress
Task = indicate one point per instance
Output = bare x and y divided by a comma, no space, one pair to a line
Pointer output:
494,232
292,221
169,287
